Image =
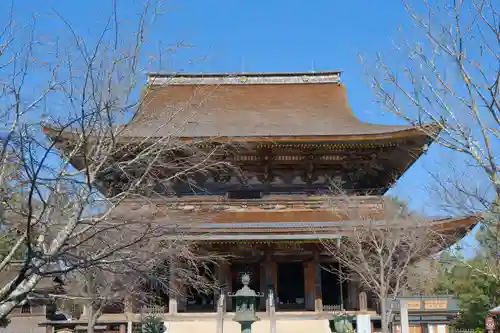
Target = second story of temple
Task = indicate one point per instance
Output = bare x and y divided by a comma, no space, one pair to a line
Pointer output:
290,133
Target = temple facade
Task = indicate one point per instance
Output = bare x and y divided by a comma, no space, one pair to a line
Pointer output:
295,134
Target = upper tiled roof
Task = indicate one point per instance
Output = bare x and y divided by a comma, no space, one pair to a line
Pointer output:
251,105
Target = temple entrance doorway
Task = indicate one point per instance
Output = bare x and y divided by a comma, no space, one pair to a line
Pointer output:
155,292
200,300
237,270
334,292
291,284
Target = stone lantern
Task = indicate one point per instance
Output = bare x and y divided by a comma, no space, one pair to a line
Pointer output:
246,305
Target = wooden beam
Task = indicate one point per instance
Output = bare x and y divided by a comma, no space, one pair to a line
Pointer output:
310,284
271,273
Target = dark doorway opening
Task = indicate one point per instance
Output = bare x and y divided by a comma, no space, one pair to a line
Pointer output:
200,300
333,290
155,291
291,284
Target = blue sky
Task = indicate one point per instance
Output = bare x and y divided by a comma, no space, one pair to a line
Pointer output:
263,36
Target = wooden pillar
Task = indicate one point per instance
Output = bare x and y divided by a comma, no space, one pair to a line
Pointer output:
353,295
318,302
229,286
215,296
310,284
222,281
221,275
173,289
268,279
271,273
129,312
274,277
181,297
363,302
263,286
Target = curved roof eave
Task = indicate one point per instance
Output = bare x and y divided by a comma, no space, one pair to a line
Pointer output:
428,131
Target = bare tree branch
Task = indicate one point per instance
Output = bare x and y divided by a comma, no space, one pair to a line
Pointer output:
61,188
379,250
451,77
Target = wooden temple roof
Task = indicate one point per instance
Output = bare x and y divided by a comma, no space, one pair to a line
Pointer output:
294,125
273,107
298,128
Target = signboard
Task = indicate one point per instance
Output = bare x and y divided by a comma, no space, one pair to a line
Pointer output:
490,323
394,305
414,305
436,304
409,304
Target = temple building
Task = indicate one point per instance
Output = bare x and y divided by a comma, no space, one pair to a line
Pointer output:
295,134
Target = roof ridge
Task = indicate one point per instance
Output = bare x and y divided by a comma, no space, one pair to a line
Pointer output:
161,79
227,74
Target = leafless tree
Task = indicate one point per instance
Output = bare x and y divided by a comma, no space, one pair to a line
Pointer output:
59,203
138,276
381,246
449,75
423,277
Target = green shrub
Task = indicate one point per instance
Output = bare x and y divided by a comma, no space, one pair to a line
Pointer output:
151,324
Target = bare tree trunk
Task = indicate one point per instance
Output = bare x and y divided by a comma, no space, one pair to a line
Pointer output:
17,295
94,313
384,317
383,296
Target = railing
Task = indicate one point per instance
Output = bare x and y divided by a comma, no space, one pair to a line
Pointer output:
333,308
153,309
